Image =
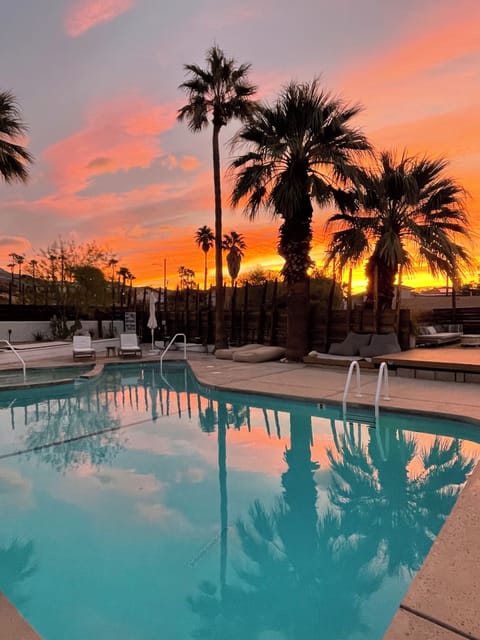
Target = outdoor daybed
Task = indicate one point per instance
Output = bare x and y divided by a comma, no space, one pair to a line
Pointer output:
356,346
227,354
431,336
251,353
260,354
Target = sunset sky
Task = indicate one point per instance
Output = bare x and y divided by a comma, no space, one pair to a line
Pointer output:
98,80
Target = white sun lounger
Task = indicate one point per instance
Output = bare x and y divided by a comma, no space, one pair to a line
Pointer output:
82,347
129,345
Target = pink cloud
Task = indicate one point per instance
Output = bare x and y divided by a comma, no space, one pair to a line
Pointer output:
229,16
86,14
119,135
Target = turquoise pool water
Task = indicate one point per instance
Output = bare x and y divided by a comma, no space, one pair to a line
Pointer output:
138,506
11,377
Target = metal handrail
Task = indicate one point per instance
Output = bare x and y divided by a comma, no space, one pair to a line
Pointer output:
170,344
17,355
381,380
353,366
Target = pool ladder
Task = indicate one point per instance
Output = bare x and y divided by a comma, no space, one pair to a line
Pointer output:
18,356
382,381
172,341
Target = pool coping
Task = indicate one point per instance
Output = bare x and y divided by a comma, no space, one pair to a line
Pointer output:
441,602
14,626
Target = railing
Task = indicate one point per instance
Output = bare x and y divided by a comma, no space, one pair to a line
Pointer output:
18,356
381,380
177,335
354,366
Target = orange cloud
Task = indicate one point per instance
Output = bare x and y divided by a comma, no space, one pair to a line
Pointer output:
187,163
424,71
119,135
86,14
456,38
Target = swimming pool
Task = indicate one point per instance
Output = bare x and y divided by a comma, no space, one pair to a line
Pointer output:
146,506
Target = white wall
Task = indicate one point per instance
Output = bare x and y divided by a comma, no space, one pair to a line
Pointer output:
23,331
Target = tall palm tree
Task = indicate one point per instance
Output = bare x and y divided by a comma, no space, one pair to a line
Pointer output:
235,245
11,266
223,91
404,204
112,263
20,260
204,238
13,157
300,151
123,273
33,265
17,260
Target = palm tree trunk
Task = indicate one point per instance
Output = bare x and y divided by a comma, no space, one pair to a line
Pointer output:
398,299
349,298
298,300
205,273
294,246
222,480
300,496
331,298
219,300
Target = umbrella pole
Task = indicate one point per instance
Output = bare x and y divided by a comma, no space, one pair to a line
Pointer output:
153,351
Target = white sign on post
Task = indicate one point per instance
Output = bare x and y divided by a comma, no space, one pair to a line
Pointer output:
130,322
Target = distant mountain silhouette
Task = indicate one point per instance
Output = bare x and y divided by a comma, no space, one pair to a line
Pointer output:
5,276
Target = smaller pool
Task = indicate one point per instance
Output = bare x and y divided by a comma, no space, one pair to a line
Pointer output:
14,377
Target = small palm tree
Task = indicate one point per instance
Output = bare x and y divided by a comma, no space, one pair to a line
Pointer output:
222,90
402,204
13,157
204,238
235,245
301,150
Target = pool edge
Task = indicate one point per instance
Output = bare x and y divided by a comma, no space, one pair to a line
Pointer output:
14,625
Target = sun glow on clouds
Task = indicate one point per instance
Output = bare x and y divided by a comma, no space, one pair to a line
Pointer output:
119,135
86,14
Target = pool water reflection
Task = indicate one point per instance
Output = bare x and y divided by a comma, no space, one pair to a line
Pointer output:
143,506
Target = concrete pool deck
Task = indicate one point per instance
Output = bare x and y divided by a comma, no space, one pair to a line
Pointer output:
443,602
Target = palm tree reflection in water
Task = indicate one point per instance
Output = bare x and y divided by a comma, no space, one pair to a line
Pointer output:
398,509
305,574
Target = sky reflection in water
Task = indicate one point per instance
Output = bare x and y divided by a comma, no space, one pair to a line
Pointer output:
144,506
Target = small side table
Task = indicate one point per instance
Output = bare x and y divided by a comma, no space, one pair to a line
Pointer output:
111,351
